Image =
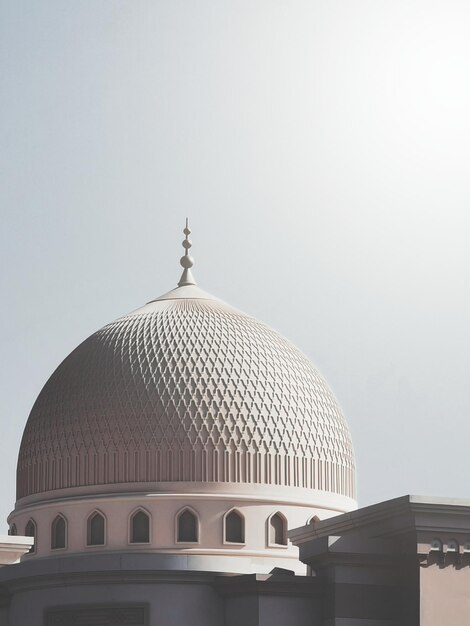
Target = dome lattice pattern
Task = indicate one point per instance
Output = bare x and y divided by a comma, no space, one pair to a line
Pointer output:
186,390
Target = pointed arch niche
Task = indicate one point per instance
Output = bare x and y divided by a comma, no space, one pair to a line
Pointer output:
234,527
96,529
277,530
139,526
59,533
31,531
187,526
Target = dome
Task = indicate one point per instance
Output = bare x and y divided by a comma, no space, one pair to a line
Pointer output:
186,389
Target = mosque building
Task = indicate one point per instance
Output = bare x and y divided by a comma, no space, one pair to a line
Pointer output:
186,464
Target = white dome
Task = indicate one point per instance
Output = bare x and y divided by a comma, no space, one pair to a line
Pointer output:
186,411
186,389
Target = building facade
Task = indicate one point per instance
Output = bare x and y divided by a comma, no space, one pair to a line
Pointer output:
162,467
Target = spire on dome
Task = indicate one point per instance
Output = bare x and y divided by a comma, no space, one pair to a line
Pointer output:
186,261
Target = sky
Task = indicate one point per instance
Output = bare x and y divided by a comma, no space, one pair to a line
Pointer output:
321,150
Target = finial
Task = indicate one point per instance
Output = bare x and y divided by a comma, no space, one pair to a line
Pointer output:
186,261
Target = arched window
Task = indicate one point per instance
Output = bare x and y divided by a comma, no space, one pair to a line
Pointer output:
58,533
452,546
187,527
277,530
12,530
140,527
234,527
30,531
95,529
436,545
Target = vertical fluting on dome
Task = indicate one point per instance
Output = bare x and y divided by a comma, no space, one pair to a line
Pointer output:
186,260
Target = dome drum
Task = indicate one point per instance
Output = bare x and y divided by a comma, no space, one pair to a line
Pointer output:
255,553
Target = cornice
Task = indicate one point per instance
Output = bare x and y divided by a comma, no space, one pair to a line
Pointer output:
400,514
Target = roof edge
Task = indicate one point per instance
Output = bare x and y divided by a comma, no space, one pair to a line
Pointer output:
369,515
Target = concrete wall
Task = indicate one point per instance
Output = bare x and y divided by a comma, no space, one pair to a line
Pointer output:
168,604
445,594
288,611
110,582
272,610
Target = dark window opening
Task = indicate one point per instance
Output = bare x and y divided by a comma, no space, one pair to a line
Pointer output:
187,527
234,531
277,530
30,531
58,532
140,528
95,530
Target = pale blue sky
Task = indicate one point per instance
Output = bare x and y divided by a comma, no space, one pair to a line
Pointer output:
322,153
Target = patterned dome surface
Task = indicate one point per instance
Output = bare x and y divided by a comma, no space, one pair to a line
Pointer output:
186,388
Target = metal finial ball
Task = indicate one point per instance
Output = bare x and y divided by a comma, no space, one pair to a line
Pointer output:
186,261
186,231
187,244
